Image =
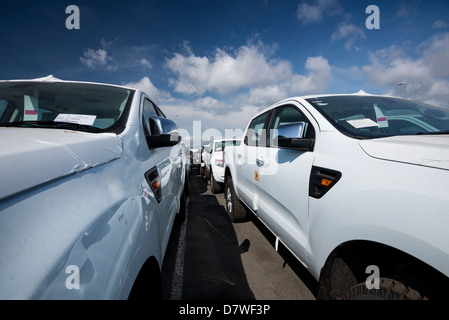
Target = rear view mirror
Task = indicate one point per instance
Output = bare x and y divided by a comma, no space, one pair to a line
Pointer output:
290,131
163,133
159,125
290,136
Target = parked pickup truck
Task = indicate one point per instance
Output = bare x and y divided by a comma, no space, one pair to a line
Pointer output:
214,166
355,186
92,177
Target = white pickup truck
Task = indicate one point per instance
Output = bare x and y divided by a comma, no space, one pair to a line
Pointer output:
92,179
214,168
355,186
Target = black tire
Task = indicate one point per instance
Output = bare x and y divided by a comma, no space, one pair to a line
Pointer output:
206,174
215,187
202,169
389,289
234,208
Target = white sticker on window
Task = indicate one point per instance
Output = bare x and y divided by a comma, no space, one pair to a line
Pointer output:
362,123
76,118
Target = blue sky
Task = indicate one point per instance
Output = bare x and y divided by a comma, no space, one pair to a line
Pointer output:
211,65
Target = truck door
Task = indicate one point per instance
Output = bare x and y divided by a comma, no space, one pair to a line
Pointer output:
246,157
283,185
169,166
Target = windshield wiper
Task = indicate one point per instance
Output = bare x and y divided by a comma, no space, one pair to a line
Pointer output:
433,133
52,124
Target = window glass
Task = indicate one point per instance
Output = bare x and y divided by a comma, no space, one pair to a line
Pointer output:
3,104
149,109
256,135
287,115
368,117
54,105
221,145
159,111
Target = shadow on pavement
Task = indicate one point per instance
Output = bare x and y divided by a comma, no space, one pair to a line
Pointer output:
213,267
289,259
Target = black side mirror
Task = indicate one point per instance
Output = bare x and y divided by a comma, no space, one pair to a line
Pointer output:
290,136
162,133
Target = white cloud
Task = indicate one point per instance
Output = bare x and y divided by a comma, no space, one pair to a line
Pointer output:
258,80
309,13
145,63
226,72
348,32
265,96
319,75
436,53
354,73
440,24
426,76
248,68
94,58
209,104
192,73
148,87
113,54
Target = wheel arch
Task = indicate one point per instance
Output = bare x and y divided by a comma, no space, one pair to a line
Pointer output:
149,274
347,264
227,174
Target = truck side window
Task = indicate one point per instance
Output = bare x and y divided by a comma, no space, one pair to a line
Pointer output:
149,109
256,134
286,115
3,104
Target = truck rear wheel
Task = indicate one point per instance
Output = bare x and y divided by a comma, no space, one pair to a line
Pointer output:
234,208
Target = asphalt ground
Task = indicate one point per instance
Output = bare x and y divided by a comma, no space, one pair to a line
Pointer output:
211,258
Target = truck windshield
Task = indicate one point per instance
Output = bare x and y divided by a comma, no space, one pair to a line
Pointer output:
77,106
368,117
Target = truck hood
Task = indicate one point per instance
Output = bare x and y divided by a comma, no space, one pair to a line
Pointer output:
29,157
430,151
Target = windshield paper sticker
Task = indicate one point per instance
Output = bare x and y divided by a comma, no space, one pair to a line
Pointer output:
76,118
30,108
362,123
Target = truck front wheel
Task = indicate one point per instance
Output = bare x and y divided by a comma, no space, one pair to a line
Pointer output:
235,209
389,289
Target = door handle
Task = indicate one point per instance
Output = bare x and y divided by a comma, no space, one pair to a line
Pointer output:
260,162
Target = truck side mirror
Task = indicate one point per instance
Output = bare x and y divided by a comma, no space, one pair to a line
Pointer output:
163,133
290,136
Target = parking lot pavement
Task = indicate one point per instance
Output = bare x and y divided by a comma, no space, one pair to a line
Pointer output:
210,258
